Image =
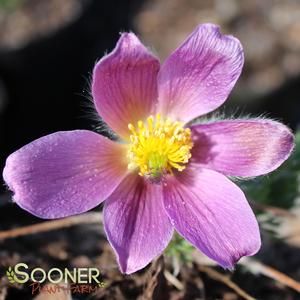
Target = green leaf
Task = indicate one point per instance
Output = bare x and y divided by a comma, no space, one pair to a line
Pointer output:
180,247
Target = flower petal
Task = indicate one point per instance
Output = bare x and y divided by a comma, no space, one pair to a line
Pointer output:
199,75
212,213
243,148
64,173
136,224
124,84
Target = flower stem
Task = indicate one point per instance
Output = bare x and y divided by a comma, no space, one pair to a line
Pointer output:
88,218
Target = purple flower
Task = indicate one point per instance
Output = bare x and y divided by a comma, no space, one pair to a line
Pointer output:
164,175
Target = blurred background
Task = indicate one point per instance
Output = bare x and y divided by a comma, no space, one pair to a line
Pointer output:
47,51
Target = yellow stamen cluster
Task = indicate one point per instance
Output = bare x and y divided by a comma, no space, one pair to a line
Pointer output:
158,146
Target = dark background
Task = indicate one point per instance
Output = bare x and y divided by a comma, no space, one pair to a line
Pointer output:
46,82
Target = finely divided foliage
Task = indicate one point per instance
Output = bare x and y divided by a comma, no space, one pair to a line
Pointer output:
163,175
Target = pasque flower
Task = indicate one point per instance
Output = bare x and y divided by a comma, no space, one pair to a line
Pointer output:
163,174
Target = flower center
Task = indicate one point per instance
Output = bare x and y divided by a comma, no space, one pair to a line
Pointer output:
157,146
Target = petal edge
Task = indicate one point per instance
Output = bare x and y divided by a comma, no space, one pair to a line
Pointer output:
199,75
124,84
213,214
244,148
136,223
64,173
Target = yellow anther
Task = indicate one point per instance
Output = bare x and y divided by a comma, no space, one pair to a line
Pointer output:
140,124
150,123
158,146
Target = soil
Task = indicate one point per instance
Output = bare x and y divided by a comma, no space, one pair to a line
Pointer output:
85,245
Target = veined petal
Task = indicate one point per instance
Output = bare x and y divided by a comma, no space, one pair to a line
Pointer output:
136,224
124,84
243,148
212,213
65,173
199,75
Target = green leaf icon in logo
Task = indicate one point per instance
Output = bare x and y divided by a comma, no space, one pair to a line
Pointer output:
11,275
12,278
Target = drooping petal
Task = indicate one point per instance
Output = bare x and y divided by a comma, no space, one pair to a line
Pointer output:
243,148
212,213
65,173
199,75
136,224
124,84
